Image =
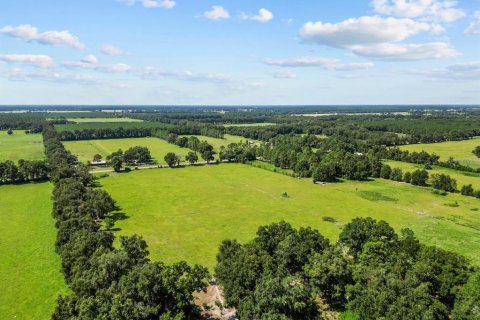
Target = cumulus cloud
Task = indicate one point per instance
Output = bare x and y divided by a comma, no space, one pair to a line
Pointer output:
217,13
474,27
429,10
378,37
331,64
42,61
90,59
462,71
165,4
31,34
366,30
263,16
110,50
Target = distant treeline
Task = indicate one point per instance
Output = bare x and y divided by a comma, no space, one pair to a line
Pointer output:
137,131
22,121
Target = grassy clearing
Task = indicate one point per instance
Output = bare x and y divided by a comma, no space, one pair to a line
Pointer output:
86,149
463,178
185,213
259,124
459,150
20,145
29,267
103,120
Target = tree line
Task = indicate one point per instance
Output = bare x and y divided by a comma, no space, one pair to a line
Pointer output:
371,271
107,281
23,171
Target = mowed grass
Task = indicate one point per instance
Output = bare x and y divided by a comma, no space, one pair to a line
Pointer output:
184,214
20,145
86,149
459,150
463,178
30,274
104,120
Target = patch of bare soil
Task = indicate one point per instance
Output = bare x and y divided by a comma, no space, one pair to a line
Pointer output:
213,305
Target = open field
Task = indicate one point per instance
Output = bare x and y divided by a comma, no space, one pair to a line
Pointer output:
459,150
103,120
259,124
30,274
463,178
227,139
86,149
185,213
110,125
20,145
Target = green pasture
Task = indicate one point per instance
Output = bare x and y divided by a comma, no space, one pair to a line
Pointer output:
20,145
30,274
103,120
185,213
462,177
86,149
459,150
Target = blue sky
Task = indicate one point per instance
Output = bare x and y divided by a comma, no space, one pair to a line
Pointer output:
245,52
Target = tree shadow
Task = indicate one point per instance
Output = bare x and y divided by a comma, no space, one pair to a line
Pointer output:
119,216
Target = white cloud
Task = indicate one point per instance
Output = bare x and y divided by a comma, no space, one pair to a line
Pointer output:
263,16
231,82
462,71
429,10
165,4
366,30
301,62
90,62
42,61
31,34
217,13
91,59
474,27
114,68
407,52
111,50
331,64
284,74
377,37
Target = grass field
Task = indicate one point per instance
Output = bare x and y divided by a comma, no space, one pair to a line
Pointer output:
185,213
20,145
30,274
110,125
459,150
103,120
259,124
86,149
463,178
